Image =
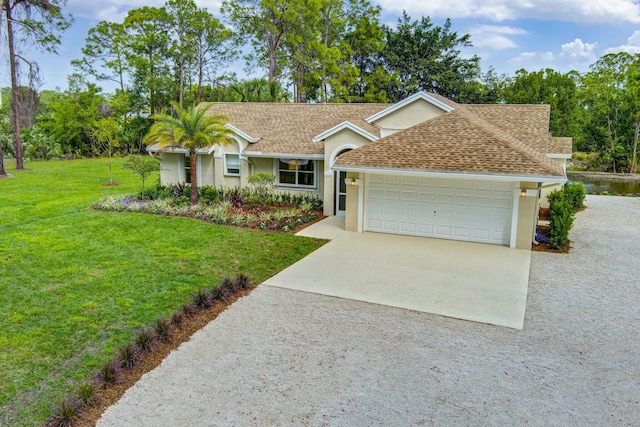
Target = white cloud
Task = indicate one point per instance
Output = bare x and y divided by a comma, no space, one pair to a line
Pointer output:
116,10
632,46
533,60
494,36
591,11
578,52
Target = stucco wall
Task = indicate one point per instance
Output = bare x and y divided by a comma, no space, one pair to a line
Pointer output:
410,115
352,213
205,170
169,168
527,217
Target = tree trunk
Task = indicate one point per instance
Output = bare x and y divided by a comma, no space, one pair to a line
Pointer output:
634,159
199,95
193,195
180,95
15,107
2,171
613,151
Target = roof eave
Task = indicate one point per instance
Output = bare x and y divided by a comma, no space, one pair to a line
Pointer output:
455,174
282,155
345,125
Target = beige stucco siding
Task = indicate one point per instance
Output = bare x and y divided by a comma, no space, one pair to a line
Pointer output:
353,214
169,168
205,170
527,217
410,115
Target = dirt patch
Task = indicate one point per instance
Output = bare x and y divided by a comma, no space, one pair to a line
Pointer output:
111,184
109,395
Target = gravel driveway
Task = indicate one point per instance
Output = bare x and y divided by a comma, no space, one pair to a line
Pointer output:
296,359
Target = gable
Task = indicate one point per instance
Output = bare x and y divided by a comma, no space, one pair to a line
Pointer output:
400,117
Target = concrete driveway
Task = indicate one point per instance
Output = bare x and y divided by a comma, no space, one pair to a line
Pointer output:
470,281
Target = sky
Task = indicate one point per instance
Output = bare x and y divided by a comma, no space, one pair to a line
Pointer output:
507,35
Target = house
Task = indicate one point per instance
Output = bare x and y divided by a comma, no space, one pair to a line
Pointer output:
425,166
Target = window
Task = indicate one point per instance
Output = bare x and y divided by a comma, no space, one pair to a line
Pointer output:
232,164
297,173
186,160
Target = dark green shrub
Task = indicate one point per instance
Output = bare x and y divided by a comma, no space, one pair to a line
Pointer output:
209,195
144,340
109,373
128,356
162,329
87,394
575,194
561,218
65,413
180,201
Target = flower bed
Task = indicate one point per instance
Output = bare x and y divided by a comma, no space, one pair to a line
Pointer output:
263,216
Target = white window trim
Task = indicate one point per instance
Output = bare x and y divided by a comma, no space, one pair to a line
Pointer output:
226,170
276,172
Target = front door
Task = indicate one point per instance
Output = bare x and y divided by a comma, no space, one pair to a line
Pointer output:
341,193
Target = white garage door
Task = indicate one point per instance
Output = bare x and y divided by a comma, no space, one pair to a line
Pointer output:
476,211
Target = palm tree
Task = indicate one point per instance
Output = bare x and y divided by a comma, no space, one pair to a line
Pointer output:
192,129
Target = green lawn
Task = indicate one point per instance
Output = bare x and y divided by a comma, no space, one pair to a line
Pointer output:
76,283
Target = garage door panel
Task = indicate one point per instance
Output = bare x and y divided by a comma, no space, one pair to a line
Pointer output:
435,207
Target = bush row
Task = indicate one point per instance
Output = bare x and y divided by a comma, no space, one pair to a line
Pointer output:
209,195
143,343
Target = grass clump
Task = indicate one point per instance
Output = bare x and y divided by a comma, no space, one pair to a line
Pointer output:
65,413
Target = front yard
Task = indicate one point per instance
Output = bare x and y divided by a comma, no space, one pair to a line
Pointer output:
76,283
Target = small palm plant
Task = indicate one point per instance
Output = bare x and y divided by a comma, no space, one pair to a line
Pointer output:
191,129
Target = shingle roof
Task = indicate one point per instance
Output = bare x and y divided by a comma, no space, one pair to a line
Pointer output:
457,141
560,145
290,128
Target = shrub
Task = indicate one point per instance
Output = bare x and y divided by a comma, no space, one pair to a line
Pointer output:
144,340
575,194
65,413
177,318
162,329
128,356
561,218
87,394
109,373
209,195
243,281
202,299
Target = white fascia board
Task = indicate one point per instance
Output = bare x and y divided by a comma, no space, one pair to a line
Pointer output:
179,150
345,125
283,155
456,175
407,101
241,134
559,156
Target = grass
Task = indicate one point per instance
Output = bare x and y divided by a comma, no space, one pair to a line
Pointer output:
76,284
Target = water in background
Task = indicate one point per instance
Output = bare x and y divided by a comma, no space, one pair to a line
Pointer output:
600,186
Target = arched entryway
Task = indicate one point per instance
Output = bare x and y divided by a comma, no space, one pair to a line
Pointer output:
340,190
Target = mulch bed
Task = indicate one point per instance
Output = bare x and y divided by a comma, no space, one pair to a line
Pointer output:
109,395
